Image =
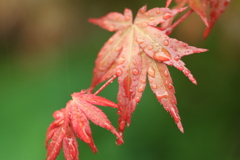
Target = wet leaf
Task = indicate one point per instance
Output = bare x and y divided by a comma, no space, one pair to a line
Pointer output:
72,122
131,53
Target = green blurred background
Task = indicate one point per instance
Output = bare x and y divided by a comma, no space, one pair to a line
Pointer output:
47,52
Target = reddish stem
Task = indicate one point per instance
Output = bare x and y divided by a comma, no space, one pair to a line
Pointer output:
168,3
105,85
181,19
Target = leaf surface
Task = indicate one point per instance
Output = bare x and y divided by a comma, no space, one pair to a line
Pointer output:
72,122
137,47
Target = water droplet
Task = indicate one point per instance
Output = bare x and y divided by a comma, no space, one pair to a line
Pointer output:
140,89
119,72
150,47
151,18
166,42
135,72
163,55
180,68
151,71
167,16
177,58
143,81
127,18
139,40
154,86
166,73
107,126
162,95
121,125
120,32
111,28
166,82
186,72
117,49
142,10
110,41
137,99
120,60
147,14
158,11
184,45
144,24
159,36
170,86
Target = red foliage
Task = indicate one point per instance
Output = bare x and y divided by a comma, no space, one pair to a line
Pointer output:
73,121
217,7
138,49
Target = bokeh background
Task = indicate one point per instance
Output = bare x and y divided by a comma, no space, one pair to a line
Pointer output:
47,52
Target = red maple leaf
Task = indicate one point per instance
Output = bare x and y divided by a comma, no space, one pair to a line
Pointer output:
217,7
138,49
72,122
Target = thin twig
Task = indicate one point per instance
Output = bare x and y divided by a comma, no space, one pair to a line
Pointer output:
181,19
105,85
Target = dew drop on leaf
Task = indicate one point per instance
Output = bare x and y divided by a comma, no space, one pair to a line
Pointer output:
150,47
167,16
163,55
170,86
140,89
111,28
143,81
137,99
166,43
121,125
177,58
166,73
127,18
180,68
144,24
139,40
119,72
117,49
120,60
154,86
162,95
186,72
110,41
151,71
135,72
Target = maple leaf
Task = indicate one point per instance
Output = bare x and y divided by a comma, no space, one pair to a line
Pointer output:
136,49
217,7
72,122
